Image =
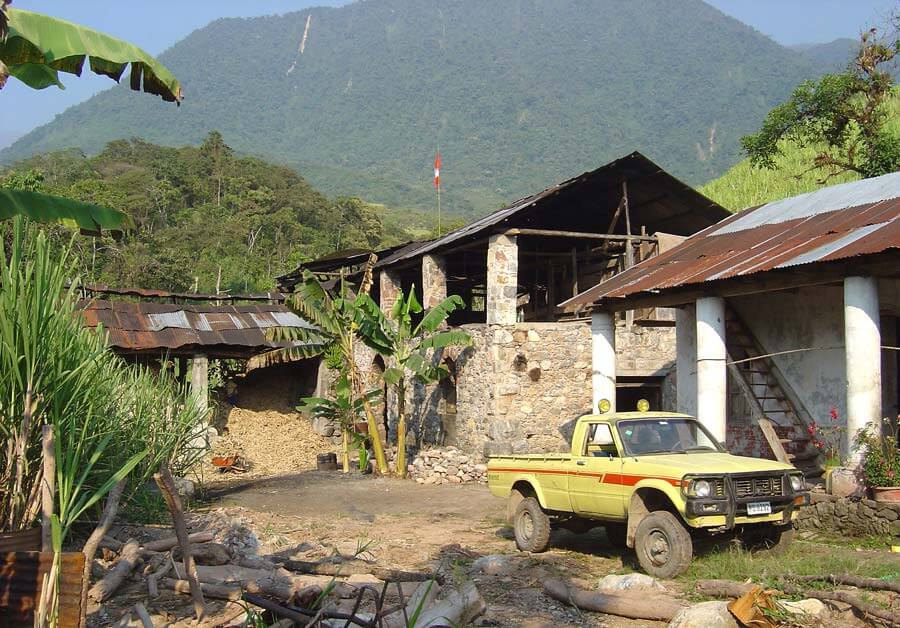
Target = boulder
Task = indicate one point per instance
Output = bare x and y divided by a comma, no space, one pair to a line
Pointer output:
705,615
493,565
812,607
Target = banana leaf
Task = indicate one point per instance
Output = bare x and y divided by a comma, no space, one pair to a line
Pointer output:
37,47
45,208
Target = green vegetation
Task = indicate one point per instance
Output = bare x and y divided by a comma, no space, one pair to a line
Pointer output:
745,185
204,218
409,347
516,94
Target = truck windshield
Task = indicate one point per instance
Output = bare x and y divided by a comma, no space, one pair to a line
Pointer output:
664,435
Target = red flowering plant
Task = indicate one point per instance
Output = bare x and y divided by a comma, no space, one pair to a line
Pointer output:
827,438
880,459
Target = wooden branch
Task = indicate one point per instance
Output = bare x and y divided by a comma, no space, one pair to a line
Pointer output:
582,235
278,609
457,609
143,615
214,591
110,508
723,588
167,487
348,568
153,578
657,608
164,545
48,487
854,581
128,560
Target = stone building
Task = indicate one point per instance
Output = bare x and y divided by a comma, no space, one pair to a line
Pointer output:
529,373
788,314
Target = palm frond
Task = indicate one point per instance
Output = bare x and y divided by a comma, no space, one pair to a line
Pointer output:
435,317
451,338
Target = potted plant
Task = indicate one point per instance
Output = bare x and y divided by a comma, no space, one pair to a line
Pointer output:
880,463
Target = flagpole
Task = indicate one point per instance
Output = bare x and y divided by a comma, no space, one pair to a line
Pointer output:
439,208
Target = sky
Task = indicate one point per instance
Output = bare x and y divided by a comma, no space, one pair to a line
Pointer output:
157,25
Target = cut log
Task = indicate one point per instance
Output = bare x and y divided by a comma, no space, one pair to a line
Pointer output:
854,581
278,583
167,487
459,608
143,615
164,545
348,568
128,560
207,554
723,588
161,572
215,591
632,606
110,509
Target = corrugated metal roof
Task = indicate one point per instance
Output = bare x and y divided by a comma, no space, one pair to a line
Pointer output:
227,330
843,221
657,200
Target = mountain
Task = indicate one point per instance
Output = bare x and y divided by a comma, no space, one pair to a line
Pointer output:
517,94
830,57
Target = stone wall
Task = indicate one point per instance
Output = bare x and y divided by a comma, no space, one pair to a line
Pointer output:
447,466
520,388
849,517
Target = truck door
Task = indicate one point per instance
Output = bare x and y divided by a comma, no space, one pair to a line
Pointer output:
595,481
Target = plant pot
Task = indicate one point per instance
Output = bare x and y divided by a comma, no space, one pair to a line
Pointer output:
21,541
886,494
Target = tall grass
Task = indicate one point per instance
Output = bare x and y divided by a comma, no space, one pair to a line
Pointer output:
744,186
111,421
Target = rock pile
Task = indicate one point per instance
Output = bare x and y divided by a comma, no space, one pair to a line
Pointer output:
447,466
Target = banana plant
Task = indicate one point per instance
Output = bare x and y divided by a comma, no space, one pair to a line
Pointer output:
409,348
344,410
336,321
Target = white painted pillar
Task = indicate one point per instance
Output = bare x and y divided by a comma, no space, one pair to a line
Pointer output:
603,358
200,381
862,341
686,359
712,400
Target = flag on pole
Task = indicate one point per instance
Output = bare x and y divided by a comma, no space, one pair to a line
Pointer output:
437,170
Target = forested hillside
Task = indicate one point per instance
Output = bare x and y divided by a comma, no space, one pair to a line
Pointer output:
518,94
745,186
203,217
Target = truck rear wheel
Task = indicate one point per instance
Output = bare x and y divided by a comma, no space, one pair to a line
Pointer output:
615,534
532,526
663,546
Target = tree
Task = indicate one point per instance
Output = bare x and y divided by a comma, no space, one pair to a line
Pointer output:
842,115
409,347
338,322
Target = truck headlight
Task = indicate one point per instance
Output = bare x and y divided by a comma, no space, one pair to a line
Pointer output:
700,488
797,483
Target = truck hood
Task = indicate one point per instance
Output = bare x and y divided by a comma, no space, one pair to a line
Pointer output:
713,463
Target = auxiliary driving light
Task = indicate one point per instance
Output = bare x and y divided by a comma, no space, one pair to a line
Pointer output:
604,405
643,405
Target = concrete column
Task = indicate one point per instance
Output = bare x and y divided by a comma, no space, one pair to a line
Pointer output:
712,400
603,358
388,289
434,280
200,381
686,359
862,341
502,279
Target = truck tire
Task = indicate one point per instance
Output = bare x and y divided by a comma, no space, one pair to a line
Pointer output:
663,546
770,539
532,526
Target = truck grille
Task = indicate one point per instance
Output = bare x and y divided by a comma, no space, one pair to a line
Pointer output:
718,487
771,486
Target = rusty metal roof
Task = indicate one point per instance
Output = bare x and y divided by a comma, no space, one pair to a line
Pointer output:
219,331
148,293
838,222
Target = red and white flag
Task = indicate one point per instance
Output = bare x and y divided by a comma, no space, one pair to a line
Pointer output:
437,169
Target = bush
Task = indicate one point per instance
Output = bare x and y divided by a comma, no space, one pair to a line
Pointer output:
880,462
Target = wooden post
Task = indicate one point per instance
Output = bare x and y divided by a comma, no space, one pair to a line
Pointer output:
167,487
48,487
629,248
574,271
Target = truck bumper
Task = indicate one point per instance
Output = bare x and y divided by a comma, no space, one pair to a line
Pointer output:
726,513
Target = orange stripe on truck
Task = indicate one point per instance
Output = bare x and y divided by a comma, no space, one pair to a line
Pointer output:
622,479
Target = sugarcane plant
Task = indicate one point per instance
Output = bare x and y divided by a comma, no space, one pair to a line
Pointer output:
111,423
410,349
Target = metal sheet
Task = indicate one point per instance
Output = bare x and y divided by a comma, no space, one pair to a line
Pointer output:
719,254
21,580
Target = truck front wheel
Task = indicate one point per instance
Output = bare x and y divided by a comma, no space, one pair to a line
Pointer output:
532,526
663,545
769,538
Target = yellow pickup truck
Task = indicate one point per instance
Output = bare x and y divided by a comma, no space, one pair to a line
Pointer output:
656,481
